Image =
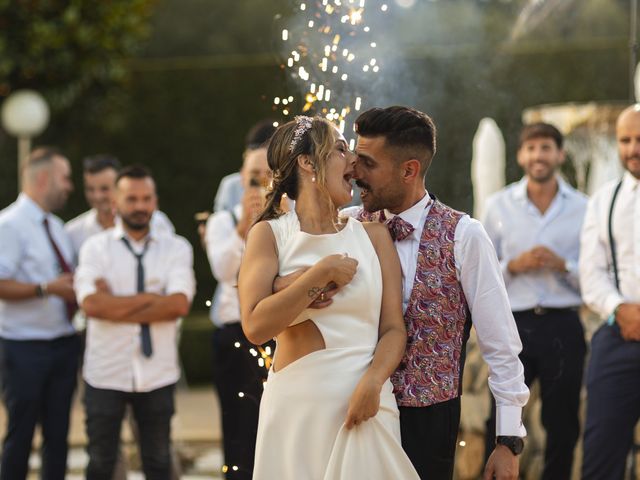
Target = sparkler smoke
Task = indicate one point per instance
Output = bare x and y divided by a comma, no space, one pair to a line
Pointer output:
331,50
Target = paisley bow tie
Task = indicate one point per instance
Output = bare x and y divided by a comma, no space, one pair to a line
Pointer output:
399,228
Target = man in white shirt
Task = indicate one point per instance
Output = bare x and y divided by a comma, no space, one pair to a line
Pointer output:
235,369
99,175
610,281
534,225
133,285
40,348
451,277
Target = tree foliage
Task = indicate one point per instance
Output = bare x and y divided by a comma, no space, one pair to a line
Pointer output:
66,49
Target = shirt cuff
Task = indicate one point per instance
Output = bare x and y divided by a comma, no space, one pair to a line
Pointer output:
84,292
509,422
611,303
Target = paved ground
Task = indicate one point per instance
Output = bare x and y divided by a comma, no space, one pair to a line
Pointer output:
196,437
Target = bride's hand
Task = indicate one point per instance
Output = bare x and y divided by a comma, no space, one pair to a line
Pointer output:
364,402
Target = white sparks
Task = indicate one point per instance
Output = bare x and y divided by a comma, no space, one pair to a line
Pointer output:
310,24
358,103
303,6
285,35
352,144
327,95
276,101
344,77
384,7
237,344
241,394
208,303
275,124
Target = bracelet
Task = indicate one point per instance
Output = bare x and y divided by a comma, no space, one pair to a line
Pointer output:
42,290
612,318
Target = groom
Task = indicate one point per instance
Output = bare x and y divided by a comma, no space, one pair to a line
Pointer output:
451,280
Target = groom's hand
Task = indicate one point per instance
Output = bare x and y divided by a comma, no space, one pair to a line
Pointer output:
502,465
324,300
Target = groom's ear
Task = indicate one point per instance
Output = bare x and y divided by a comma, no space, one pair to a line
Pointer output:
410,169
306,163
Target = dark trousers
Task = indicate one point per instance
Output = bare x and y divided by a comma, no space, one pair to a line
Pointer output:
613,404
429,437
38,381
152,412
553,351
236,370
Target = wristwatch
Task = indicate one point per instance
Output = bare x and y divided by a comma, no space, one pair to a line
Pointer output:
515,444
41,290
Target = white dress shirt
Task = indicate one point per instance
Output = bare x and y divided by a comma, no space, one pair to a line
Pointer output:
113,356
26,255
86,225
515,225
224,249
479,274
596,274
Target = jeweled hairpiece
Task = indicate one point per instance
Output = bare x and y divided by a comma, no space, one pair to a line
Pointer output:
303,125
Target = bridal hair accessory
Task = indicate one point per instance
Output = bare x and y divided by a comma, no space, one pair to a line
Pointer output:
303,125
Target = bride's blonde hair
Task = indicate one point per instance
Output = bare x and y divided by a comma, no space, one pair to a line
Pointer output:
314,137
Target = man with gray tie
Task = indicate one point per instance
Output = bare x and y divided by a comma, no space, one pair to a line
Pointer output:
133,284
610,279
40,348
535,225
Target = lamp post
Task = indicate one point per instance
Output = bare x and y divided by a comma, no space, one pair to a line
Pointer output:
25,114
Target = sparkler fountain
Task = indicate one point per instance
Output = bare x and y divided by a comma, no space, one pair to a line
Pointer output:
332,57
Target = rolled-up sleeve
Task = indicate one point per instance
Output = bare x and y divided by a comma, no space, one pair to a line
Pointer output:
224,247
10,252
91,267
483,285
180,277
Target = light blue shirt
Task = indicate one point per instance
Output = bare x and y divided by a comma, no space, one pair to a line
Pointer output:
229,193
26,255
515,225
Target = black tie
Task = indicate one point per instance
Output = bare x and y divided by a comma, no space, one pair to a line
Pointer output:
145,334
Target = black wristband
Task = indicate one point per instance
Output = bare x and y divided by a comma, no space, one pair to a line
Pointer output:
41,290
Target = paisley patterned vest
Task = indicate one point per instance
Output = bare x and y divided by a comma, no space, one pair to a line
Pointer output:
437,316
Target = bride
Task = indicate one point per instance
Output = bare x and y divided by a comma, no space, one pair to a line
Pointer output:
328,410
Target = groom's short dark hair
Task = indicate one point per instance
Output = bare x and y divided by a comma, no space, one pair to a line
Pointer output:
410,132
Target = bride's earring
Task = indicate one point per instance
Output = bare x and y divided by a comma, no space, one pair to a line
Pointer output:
313,179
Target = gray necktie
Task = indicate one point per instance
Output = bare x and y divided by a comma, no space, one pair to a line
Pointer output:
145,334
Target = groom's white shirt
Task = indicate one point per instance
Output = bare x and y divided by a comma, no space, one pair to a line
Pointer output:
478,271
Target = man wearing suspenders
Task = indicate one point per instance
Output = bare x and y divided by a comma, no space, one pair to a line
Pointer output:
610,281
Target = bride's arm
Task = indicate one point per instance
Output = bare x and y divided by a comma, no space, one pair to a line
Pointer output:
392,336
265,314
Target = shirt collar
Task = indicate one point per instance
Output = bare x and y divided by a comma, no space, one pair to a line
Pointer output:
412,214
520,190
119,233
30,208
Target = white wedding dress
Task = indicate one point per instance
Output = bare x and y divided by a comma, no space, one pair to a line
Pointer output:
301,432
